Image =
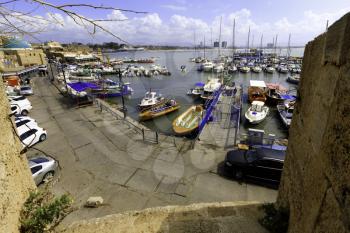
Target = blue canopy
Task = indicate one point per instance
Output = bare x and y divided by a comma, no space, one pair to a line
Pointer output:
82,86
288,97
200,84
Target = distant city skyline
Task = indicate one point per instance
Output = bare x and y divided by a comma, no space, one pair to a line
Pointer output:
182,22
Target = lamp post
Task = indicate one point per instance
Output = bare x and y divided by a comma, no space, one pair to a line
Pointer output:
122,91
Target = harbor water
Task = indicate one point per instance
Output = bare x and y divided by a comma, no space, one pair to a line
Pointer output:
177,85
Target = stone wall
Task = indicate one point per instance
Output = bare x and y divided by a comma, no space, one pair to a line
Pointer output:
15,177
205,218
316,179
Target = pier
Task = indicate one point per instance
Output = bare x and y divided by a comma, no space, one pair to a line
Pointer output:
223,127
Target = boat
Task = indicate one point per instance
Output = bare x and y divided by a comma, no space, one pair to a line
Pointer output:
285,111
256,91
283,69
219,68
244,69
150,99
208,67
164,107
110,88
232,69
209,88
183,68
294,79
269,69
188,121
256,69
257,112
274,93
197,90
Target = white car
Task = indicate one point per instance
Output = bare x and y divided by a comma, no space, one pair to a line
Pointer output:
22,118
20,105
43,168
31,134
26,90
29,123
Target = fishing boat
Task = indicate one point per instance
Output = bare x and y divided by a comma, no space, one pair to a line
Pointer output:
197,90
188,121
294,79
274,93
150,99
257,112
285,111
209,88
256,91
165,107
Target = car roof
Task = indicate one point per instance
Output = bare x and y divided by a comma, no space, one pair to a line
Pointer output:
38,160
268,153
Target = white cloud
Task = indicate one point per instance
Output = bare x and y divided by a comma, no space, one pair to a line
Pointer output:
179,29
175,7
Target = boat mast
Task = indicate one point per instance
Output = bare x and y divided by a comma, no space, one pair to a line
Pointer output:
276,45
233,38
248,40
211,37
288,51
261,45
220,36
194,40
204,46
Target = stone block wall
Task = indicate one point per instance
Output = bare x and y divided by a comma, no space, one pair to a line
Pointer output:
316,180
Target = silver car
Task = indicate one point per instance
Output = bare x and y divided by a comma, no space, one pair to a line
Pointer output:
26,90
43,168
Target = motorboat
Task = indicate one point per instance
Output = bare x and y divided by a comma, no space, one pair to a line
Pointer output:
285,111
256,69
294,79
188,121
256,91
150,99
283,69
164,107
208,67
209,88
244,69
197,90
269,69
274,93
219,68
232,69
257,112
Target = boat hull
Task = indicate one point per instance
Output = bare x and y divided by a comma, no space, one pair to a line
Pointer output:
187,123
151,114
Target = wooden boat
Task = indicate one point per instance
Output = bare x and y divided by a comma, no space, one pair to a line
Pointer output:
274,93
188,121
160,109
285,111
256,91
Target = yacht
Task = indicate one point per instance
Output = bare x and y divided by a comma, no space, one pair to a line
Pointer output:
219,68
245,69
208,67
256,69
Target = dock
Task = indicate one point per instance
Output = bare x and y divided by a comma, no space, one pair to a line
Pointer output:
222,131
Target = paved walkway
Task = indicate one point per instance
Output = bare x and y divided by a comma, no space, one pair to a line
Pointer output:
101,156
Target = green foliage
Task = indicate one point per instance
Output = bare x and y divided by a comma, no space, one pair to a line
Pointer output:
275,220
42,211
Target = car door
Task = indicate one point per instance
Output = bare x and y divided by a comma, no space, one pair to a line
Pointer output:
29,137
268,169
37,174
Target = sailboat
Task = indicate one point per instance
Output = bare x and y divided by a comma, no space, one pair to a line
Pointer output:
188,121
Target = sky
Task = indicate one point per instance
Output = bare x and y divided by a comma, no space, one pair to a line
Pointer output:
183,22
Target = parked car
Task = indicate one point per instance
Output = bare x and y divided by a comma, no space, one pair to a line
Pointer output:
30,135
26,90
260,163
43,168
19,117
19,105
30,123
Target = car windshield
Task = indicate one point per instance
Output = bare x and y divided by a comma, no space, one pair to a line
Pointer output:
22,122
28,134
25,88
39,160
19,98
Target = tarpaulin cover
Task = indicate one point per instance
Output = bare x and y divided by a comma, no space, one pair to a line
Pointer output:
82,86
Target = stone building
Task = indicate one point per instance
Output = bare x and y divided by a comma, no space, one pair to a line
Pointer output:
17,55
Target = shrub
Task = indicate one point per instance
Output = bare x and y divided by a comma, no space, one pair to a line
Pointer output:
275,220
42,211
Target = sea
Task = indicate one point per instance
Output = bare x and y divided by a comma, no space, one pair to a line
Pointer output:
177,85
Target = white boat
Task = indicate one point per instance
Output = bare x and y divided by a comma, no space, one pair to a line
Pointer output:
269,69
209,88
295,79
150,99
245,69
208,67
283,69
197,90
219,68
285,111
256,69
257,112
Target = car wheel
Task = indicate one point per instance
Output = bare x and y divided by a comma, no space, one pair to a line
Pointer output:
48,176
43,137
238,174
24,113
